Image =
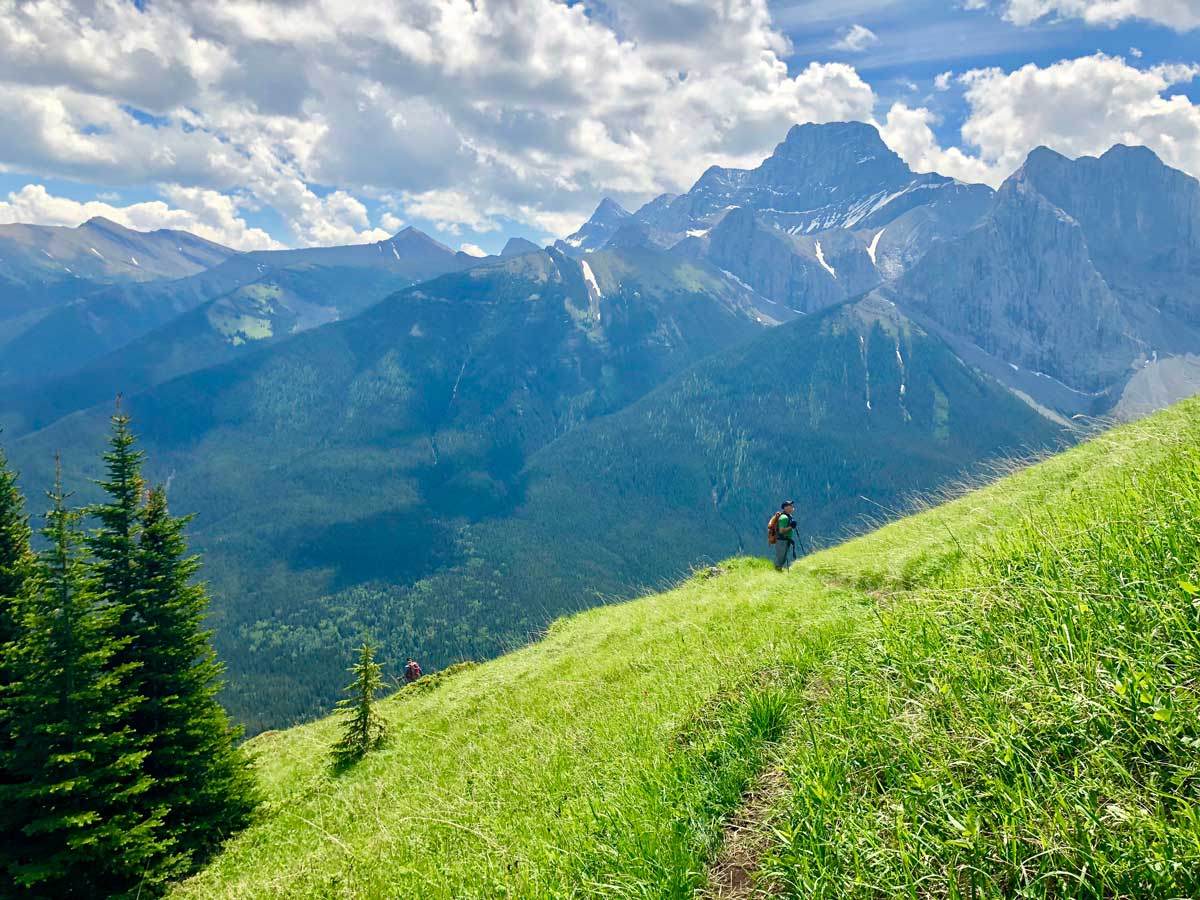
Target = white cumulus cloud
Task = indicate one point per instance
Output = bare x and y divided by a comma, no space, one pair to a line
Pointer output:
1079,107
1182,15
531,108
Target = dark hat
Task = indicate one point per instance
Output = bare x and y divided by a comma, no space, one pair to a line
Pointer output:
786,503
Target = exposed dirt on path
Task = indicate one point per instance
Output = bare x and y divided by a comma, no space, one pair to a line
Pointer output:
731,875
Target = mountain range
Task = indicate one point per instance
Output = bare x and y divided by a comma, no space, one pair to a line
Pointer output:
447,452
43,267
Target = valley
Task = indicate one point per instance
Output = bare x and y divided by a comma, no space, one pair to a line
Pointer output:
448,452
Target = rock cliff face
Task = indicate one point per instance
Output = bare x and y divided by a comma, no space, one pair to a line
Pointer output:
1022,286
1141,219
800,272
1086,270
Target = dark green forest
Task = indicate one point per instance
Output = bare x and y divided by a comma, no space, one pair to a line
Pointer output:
632,501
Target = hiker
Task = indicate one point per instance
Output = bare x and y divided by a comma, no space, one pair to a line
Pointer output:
781,532
412,671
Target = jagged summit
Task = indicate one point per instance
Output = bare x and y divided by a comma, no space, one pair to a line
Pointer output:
609,212
607,219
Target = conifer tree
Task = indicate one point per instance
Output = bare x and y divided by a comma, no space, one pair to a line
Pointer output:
363,729
201,778
77,819
16,573
113,543
16,557
16,587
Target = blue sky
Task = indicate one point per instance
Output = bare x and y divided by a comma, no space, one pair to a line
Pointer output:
303,122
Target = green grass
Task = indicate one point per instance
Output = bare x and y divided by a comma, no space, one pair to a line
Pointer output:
628,733
1027,722
994,698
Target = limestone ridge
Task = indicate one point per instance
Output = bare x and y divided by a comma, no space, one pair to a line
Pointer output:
1078,283
837,175
1082,281
831,213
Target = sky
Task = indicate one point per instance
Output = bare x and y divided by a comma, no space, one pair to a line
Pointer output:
290,123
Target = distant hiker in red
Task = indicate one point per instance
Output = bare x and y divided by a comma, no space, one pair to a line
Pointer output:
781,534
411,671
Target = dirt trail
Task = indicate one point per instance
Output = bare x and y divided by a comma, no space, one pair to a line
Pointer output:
731,875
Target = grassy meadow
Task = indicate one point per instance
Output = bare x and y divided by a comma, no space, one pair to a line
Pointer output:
994,698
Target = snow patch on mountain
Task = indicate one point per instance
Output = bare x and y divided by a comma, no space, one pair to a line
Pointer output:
875,246
821,259
590,278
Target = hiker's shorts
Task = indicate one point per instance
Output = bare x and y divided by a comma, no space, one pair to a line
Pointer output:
781,554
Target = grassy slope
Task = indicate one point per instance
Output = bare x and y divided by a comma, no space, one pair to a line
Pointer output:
603,760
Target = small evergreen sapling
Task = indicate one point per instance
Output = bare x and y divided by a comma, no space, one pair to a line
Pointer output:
363,729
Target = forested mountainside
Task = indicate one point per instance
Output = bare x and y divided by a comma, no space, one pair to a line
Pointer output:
133,335
452,509
993,696
43,268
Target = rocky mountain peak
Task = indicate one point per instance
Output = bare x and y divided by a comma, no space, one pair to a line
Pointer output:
609,212
804,140
1137,155
595,232
415,237
100,223
839,152
519,245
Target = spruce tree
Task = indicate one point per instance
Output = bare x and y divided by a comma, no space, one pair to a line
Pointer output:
363,729
16,558
16,588
113,543
200,776
77,819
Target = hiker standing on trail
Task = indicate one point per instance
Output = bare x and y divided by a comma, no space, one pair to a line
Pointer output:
781,532
412,671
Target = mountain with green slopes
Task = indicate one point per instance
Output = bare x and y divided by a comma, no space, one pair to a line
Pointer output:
43,267
280,291
992,698
852,414
355,451
460,464
280,303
